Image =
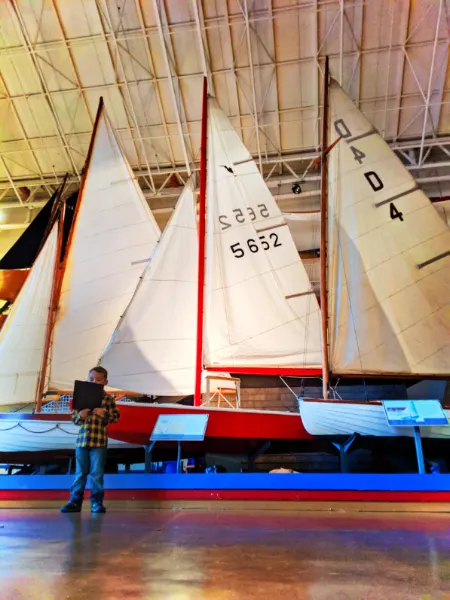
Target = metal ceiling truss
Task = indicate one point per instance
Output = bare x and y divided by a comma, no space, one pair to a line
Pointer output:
116,61
203,44
13,7
149,57
239,31
174,82
293,166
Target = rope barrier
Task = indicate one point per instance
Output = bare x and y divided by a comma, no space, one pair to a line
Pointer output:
39,432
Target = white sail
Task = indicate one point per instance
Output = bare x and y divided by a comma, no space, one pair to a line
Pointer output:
389,257
22,338
114,235
305,229
260,309
312,266
153,350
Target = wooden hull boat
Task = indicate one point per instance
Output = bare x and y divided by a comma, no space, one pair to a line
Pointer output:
328,418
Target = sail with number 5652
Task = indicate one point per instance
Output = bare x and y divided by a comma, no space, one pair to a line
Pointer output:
261,311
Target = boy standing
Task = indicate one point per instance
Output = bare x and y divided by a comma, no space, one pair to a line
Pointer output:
92,442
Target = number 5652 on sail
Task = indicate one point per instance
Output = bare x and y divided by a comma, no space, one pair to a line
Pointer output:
273,242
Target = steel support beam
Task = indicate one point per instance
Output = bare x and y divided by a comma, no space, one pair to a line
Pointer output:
253,82
391,34
430,82
22,129
148,52
128,105
72,61
203,44
187,158
12,5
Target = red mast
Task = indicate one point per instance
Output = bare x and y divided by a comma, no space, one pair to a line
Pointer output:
201,248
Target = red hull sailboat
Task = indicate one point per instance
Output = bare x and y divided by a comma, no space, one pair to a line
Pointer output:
159,332
229,430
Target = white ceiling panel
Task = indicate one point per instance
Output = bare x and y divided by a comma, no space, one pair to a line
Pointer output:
72,112
81,19
19,75
10,129
264,60
40,20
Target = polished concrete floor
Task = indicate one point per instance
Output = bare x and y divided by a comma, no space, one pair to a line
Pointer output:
212,555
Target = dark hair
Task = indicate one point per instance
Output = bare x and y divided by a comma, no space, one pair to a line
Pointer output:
100,370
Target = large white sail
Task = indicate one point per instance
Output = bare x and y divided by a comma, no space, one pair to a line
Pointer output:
260,309
153,349
114,235
389,257
22,337
305,229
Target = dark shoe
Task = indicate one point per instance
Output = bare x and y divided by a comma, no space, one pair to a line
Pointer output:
71,507
97,507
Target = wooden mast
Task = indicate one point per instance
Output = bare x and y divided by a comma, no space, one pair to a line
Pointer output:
53,299
323,235
201,248
60,265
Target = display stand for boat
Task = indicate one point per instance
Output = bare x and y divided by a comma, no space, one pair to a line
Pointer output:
415,414
176,428
343,448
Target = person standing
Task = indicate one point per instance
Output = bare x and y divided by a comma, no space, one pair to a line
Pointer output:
91,447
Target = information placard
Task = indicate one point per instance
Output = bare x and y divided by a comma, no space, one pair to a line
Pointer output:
410,413
179,428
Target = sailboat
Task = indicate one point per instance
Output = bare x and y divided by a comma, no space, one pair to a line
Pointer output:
62,318
164,317
22,434
388,275
232,297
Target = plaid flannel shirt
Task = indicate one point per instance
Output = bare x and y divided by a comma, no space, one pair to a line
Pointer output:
94,429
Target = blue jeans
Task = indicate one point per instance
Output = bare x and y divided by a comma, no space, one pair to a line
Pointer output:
90,461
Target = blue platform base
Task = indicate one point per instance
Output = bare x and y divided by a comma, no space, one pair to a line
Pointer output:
241,481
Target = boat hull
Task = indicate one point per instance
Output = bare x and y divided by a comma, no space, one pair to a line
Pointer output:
229,431
327,418
25,436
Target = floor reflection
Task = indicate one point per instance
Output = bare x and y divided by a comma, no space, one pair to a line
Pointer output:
82,563
168,555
